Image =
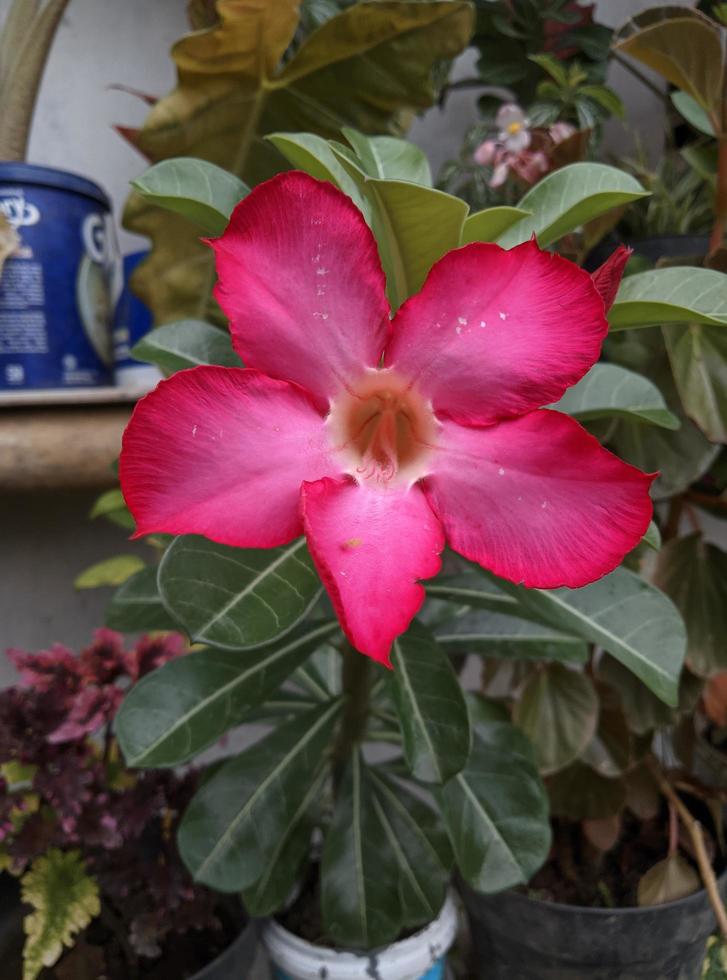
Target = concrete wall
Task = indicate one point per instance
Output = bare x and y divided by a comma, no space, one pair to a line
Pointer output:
47,540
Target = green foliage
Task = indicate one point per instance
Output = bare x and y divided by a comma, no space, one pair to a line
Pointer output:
368,66
110,571
184,344
431,707
232,828
64,899
177,711
235,598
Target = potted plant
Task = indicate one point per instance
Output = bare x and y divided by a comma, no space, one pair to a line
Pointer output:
90,843
349,849
56,233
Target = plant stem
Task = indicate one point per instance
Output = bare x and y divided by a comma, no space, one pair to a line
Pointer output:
358,676
720,198
694,829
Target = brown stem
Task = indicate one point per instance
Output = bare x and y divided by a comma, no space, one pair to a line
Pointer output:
358,676
720,198
671,526
694,829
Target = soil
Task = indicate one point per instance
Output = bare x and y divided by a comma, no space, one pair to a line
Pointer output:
577,873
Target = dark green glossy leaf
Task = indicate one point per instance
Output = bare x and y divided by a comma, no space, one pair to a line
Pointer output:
698,357
178,710
197,189
625,615
643,711
558,711
431,706
672,295
570,197
472,590
186,344
136,605
359,871
232,828
609,391
306,151
496,810
420,846
495,634
237,598
270,891
694,573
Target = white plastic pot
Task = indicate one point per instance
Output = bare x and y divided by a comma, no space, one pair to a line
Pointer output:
419,957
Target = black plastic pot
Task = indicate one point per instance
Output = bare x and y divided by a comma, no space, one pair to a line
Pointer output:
521,938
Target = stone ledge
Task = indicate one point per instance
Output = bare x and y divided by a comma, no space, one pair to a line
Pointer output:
42,449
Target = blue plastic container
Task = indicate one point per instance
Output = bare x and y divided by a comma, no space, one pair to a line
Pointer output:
132,321
55,289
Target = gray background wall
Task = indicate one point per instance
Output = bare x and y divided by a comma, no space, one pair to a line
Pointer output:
46,539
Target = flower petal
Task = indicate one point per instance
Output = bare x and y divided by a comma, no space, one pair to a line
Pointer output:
537,500
496,333
370,547
607,277
301,281
222,452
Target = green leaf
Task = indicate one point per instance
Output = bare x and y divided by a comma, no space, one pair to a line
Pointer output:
609,390
568,198
493,634
496,811
652,538
668,881
673,295
186,705
680,456
644,712
111,505
580,793
185,344
431,707
692,112
558,711
625,615
694,573
698,357
270,891
359,872
314,155
414,226
472,590
420,847
197,189
232,828
237,598
64,899
110,571
390,158
490,224
136,605
369,67
605,97
684,46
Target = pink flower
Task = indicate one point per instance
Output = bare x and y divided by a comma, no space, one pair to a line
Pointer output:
513,126
378,438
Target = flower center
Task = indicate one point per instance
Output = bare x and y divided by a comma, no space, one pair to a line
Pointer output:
384,430
514,127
